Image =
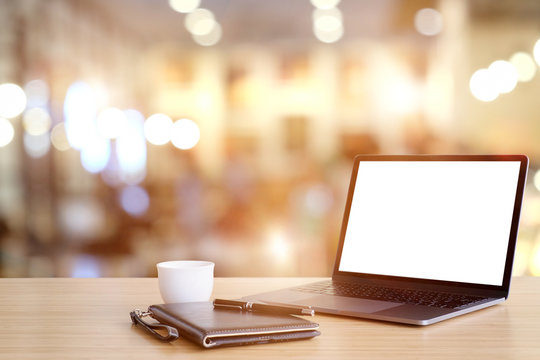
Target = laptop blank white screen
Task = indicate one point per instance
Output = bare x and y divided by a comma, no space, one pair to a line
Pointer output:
439,220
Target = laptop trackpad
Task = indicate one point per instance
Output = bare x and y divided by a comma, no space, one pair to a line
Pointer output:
346,305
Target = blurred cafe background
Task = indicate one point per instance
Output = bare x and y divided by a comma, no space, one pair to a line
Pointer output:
138,131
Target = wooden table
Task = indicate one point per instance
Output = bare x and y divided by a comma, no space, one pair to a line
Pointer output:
59,318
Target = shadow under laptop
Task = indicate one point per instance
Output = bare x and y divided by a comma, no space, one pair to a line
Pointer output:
479,318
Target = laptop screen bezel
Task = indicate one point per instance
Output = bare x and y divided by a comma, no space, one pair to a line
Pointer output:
524,161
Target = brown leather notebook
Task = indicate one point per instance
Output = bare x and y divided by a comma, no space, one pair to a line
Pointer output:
211,327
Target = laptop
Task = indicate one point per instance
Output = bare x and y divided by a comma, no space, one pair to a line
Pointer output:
424,238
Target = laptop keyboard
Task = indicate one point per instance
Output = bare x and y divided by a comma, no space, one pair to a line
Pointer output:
408,296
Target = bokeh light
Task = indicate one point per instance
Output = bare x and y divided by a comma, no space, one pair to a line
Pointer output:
37,93
111,175
95,154
157,129
525,66
278,246
36,146
328,24
185,134
36,121
327,20
200,22
7,132
325,4
504,74
12,100
81,217
209,39
59,138
536,52
483,86
536,180
428,22
184,6
110,122
80,109
134,200
131,149
85,266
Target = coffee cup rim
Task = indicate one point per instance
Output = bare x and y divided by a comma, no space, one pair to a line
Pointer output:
179,264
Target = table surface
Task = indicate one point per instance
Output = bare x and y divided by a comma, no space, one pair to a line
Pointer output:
63,318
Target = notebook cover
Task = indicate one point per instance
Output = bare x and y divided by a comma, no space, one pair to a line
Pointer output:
201,323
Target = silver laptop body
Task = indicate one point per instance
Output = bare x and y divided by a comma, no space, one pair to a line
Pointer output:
424,238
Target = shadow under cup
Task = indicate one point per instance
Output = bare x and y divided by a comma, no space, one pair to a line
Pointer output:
185,281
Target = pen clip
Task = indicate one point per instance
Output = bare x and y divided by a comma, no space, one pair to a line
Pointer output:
230,304
229,307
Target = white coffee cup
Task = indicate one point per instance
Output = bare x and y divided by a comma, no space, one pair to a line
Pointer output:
185,280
